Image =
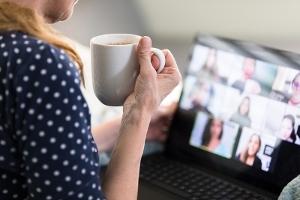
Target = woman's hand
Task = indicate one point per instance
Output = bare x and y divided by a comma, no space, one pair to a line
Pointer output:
151,88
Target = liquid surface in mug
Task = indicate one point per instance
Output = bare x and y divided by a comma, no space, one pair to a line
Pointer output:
119,43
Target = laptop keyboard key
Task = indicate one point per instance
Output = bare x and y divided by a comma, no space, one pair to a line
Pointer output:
171,189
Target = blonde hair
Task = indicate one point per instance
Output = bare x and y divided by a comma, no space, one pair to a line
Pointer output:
14,17
245,155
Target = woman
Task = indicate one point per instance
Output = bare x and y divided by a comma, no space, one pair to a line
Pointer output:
46,147
249,155
200,96
242,114
287,130
211,138
294,100
209,69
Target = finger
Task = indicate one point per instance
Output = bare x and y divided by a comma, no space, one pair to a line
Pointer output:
155,61
170,60
171,66
144,53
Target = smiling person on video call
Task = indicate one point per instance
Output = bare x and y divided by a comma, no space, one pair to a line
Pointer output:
212,136
294,99
287,131
241,116
209,69
200,95
249,154
46,147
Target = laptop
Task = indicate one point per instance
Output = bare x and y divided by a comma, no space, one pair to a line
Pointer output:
236,131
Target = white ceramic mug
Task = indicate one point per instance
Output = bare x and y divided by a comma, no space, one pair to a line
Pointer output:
115,66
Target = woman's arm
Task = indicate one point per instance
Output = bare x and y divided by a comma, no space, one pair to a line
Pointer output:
121,177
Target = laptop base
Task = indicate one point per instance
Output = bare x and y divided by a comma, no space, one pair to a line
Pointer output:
163,178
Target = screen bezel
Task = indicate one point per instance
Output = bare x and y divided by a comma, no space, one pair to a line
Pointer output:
178,141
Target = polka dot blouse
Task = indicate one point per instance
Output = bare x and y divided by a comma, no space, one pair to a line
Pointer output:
46,147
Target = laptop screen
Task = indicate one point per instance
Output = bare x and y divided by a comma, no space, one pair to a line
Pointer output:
243,105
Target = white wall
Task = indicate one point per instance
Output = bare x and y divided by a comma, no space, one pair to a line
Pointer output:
94,17
275,22
173,24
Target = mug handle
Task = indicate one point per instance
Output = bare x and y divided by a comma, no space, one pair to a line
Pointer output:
161,57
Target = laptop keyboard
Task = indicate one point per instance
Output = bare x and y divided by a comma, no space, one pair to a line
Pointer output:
190,183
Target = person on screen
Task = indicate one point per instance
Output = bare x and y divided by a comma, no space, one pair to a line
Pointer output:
287,131
241,116
246,84
212,135
200,95
249,155
209,68
294,100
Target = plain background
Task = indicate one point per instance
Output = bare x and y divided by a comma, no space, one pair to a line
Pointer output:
173,24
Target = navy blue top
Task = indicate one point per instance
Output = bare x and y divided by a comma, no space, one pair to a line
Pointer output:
46,147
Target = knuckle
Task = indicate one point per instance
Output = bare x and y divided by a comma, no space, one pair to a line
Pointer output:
166,51
149,77
144,52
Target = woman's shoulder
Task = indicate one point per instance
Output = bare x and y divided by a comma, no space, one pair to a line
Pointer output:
26,54
257,162
20,44
13,40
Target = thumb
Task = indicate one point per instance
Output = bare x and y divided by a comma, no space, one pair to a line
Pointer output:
144,53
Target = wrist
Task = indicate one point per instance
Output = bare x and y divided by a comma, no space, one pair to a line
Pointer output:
136,121
146,107
136,112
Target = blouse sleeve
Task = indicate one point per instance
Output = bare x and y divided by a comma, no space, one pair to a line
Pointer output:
291,190
59,156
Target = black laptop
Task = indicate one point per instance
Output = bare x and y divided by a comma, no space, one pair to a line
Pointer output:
236,132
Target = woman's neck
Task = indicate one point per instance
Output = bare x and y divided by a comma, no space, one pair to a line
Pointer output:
213,143
288,139
250,160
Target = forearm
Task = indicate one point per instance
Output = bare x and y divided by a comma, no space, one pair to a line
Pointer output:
121,177
106,134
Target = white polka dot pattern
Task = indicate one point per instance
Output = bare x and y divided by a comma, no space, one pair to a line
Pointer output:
46,147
